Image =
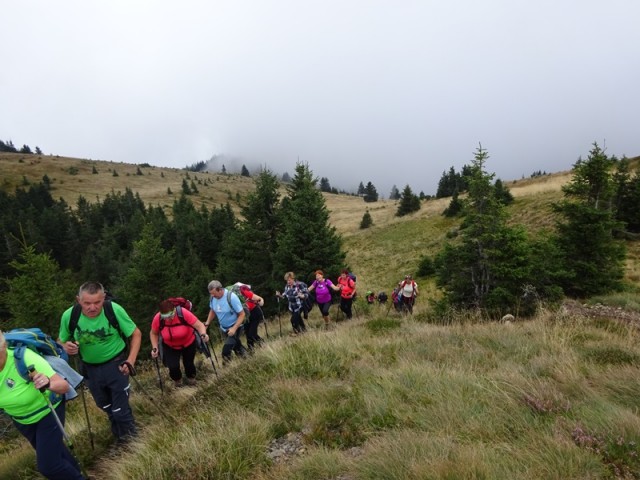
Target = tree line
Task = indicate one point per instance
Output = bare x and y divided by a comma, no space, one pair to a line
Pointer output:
143,255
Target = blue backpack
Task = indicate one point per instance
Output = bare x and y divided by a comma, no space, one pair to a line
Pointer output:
39,342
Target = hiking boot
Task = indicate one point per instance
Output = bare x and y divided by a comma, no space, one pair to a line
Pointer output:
226,361
190,381
178,383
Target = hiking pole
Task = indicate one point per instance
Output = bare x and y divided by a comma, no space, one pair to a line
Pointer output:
65,436
264,321
214,351
159,376
389,309
279,321
84,404
132,374
207,353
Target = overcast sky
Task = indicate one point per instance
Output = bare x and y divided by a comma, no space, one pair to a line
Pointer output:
392,92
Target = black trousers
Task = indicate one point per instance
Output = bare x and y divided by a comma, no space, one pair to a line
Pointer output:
171,358
251,329
110,390
345,306
232,343
297,322
54,460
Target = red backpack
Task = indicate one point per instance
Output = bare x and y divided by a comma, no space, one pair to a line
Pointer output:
181,302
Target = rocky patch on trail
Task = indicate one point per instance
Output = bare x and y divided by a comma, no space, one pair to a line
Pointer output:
292,445
575,308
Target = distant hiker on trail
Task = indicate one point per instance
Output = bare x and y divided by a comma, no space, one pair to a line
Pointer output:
178,340
347,287
296,294
96,329
32,415
227,308
408,293
371,297
323,294
382,298
396,297
254,302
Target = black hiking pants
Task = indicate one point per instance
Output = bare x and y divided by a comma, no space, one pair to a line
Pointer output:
255,317
232,343
297,323
171,358
110,390
346,306
407,303
53,459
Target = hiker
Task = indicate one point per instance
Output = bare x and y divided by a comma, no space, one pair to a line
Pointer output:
408,293
227,308
296,294
396,297
98,334
347,287
31,414
371,297
178,340
382,298
254,302
323,289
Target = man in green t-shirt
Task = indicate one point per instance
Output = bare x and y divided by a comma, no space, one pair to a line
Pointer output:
31,414
104,354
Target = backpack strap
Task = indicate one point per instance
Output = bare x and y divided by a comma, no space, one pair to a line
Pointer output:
244,307
108,312
23,371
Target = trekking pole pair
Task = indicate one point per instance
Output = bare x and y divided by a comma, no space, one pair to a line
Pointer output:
207,353
65,435
132,374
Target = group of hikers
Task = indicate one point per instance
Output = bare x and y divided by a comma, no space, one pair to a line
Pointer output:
107,342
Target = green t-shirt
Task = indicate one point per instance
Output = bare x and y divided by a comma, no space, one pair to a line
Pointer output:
98,341
19,398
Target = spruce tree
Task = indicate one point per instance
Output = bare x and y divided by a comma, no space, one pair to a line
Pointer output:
370,193
325,186
367,221
30,306
586,230
306,241
488,265
150,277
247,251
409,202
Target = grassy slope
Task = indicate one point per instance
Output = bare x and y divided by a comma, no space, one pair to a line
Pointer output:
385,397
